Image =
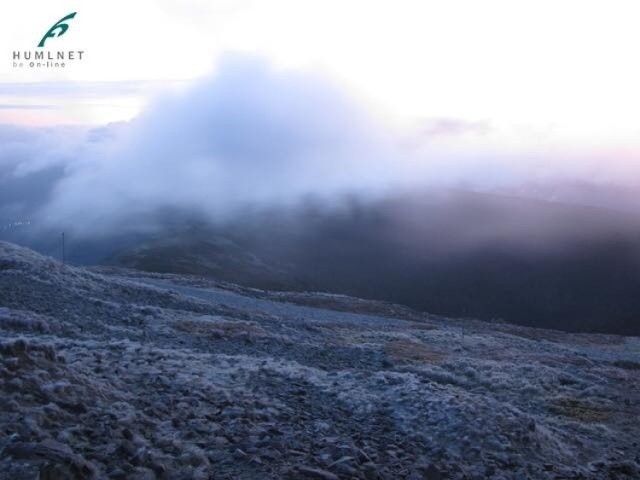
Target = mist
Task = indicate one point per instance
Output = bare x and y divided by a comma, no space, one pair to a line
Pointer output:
282,179
254,138
248,135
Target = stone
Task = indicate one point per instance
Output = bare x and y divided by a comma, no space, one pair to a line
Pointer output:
61,462
317,473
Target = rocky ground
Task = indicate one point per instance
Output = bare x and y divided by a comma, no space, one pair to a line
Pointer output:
110,373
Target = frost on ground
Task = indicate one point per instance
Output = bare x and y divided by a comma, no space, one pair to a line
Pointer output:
117,374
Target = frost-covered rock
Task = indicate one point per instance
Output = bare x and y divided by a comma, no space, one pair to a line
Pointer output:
113,374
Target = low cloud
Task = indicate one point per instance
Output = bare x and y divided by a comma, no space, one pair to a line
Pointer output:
248,137
453,126
32,162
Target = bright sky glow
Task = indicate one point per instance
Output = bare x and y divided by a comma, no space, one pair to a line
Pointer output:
561,74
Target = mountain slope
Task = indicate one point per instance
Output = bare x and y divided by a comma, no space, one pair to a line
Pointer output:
117,374
528,262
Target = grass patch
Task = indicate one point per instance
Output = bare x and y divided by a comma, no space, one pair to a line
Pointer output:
578,410
409,350
219,328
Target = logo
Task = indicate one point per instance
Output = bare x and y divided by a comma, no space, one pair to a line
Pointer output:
42,57
59,28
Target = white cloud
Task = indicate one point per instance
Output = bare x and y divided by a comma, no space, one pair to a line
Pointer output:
255,134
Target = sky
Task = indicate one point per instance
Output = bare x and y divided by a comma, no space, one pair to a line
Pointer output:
561,71
472,93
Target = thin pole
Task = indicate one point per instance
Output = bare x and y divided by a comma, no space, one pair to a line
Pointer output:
63,252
